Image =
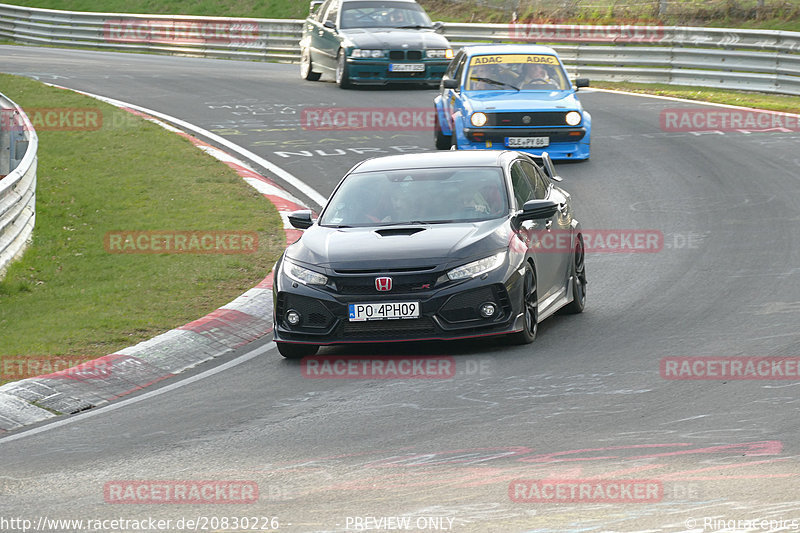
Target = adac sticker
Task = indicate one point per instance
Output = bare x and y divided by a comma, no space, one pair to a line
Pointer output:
513,58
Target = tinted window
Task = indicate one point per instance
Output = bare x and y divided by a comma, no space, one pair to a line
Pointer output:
507,72
321,10
332,12
537,179
523,187
454,65
384,14
436,195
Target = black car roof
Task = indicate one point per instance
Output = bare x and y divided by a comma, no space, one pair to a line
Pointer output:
451,158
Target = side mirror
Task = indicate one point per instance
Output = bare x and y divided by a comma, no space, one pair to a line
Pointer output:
331,25
301,219
536,209
581,82
549,168
312,8
438,27
450,83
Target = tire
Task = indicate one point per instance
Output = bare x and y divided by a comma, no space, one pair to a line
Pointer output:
342,78
442,141
578,281
530,306
295,351
307,67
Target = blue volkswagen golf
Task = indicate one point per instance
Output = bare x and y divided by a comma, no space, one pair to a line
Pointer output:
498,97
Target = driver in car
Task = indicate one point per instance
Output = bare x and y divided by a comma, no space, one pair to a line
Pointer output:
536,76
396,18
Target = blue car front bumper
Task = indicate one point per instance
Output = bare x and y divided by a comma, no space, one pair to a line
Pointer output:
563,143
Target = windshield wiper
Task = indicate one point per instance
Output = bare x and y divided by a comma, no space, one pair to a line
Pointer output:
414,27
494,82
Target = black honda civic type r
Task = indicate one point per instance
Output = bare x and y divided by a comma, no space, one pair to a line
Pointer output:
431,246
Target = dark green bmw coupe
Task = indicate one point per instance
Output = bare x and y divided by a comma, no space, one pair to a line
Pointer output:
373,42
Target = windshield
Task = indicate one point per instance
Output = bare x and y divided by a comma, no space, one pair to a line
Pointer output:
417,196
516,72
383,15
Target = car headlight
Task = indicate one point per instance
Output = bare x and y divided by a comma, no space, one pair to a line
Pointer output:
478,119
358,52
573,118
440,53
303,275
476,268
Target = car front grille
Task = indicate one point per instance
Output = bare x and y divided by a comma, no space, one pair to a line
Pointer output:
388,329
401,284
534,119
401,55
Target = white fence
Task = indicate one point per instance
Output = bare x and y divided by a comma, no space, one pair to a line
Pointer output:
760,60
18,157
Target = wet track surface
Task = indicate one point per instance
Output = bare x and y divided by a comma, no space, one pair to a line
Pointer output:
586,401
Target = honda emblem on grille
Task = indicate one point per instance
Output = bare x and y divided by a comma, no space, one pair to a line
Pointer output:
383,284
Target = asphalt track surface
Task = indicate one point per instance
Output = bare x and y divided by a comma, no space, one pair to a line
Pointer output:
585,401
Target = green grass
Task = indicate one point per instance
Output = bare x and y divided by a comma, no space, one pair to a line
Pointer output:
68,296
776,14
774,102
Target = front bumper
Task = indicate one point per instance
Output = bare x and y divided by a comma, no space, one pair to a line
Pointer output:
446,313
376,72
564,143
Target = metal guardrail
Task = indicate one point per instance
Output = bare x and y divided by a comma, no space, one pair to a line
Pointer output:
219,37
18,157
756,60
760,60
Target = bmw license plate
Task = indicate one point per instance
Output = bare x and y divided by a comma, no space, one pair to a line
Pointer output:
527,142
406,67
383,311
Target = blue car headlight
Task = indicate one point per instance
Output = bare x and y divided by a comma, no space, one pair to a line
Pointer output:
476,268
478,119
573,118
